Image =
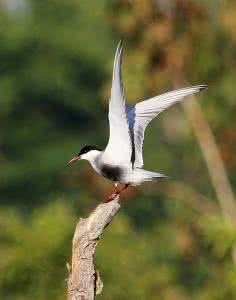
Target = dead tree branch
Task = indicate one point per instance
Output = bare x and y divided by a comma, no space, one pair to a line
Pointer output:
84,281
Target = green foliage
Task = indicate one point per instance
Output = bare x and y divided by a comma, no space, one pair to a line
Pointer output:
169,241
48,69
220,234
34,252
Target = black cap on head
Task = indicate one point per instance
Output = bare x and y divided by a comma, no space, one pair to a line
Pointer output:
88,148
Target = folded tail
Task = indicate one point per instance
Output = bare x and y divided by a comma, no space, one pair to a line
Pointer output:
150,176
140,175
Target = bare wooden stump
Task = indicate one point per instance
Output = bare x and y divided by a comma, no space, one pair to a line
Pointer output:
84,281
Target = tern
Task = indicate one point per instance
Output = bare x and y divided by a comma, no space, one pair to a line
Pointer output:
122,159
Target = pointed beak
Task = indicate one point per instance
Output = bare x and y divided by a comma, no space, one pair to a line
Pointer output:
73,160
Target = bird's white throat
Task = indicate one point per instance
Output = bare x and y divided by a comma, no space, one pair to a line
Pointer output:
91,156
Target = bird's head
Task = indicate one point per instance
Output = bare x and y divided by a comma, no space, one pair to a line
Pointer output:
89,153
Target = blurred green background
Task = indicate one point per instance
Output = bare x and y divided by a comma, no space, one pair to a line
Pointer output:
171,240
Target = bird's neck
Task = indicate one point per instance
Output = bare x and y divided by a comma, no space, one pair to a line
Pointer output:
94,160
93,157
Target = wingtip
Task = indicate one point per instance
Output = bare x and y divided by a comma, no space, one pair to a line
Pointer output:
119,48
162,176
118,55
120,44
202,87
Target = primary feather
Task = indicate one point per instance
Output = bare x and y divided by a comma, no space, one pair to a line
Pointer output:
119,147
122,159
144,112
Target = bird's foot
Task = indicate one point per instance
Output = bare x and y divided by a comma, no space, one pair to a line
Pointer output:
116,193
112,196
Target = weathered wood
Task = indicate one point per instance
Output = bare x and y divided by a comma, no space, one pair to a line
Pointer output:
84,281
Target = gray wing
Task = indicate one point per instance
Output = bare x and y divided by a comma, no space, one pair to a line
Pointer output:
143,112
119,147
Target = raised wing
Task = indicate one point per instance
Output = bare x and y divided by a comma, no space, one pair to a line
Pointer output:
119,147
143,112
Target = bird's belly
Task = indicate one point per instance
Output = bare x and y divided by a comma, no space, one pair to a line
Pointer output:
112,172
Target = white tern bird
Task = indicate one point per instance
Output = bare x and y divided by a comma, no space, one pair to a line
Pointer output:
122,159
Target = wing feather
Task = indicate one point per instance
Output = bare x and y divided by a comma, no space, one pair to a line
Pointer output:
143,112
119,147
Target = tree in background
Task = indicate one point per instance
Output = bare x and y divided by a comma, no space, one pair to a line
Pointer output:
169,242
50,59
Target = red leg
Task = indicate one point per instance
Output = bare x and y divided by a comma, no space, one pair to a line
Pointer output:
124,188
112,196
115,193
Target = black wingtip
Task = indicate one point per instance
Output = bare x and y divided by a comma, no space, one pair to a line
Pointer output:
165,177
202,87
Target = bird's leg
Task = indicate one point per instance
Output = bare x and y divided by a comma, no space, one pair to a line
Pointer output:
116,192
124,188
